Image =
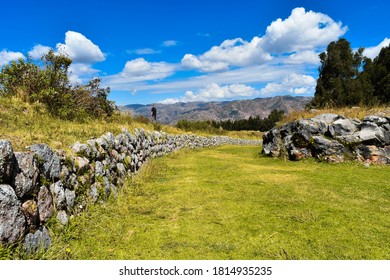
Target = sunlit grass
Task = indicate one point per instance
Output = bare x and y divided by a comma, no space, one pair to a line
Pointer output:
232,203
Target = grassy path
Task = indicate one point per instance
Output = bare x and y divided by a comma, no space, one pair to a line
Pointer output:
231,203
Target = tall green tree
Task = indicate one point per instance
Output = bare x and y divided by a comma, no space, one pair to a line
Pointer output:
378,72
337,83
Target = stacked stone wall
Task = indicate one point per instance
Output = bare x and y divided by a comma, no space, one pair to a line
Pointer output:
43,184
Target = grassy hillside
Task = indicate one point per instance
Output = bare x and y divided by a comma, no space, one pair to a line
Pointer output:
255,208
26,124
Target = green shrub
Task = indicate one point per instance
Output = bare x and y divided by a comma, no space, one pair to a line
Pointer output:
48,82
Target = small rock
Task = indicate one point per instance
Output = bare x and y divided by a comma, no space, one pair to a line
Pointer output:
40,240
70,197
81,164
45,204
30,211
82,150
93,192
58,193
62,217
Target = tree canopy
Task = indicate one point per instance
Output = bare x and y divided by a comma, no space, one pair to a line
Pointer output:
347,78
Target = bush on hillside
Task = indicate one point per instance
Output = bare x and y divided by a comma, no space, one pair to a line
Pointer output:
47,82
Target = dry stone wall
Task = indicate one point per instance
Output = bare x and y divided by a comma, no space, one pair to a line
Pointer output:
40,184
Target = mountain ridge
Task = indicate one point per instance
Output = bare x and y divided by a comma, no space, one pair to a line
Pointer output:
219,110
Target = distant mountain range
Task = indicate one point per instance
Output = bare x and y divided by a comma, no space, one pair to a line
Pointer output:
238,109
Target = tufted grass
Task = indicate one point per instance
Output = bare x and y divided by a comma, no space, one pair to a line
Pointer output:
231,203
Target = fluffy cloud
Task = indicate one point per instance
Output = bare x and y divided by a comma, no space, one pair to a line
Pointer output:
372,52
291,84
236,52
301,31
7,56
80,49
309,57
190,61
215,92
38,51
139,69
300,34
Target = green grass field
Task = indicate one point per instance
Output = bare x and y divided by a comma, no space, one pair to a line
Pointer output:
231,203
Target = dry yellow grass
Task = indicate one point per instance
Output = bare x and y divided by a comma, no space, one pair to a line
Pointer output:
25,124
349,112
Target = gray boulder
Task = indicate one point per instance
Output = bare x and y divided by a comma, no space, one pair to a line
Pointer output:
272,143
328,118
39,240
374,154
6,161
329,150
25,174
371,134
50,160
12,220
332,138
342,127
375,119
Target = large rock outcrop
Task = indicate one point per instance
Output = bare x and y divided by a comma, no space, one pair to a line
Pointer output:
332,138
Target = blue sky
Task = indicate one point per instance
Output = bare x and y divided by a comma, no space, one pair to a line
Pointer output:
169,51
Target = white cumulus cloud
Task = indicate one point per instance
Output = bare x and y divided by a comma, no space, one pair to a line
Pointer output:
307,56
291,84
236,52
8,56
80,49
372,52
215,91
301,31
300,35
38,51
140,69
